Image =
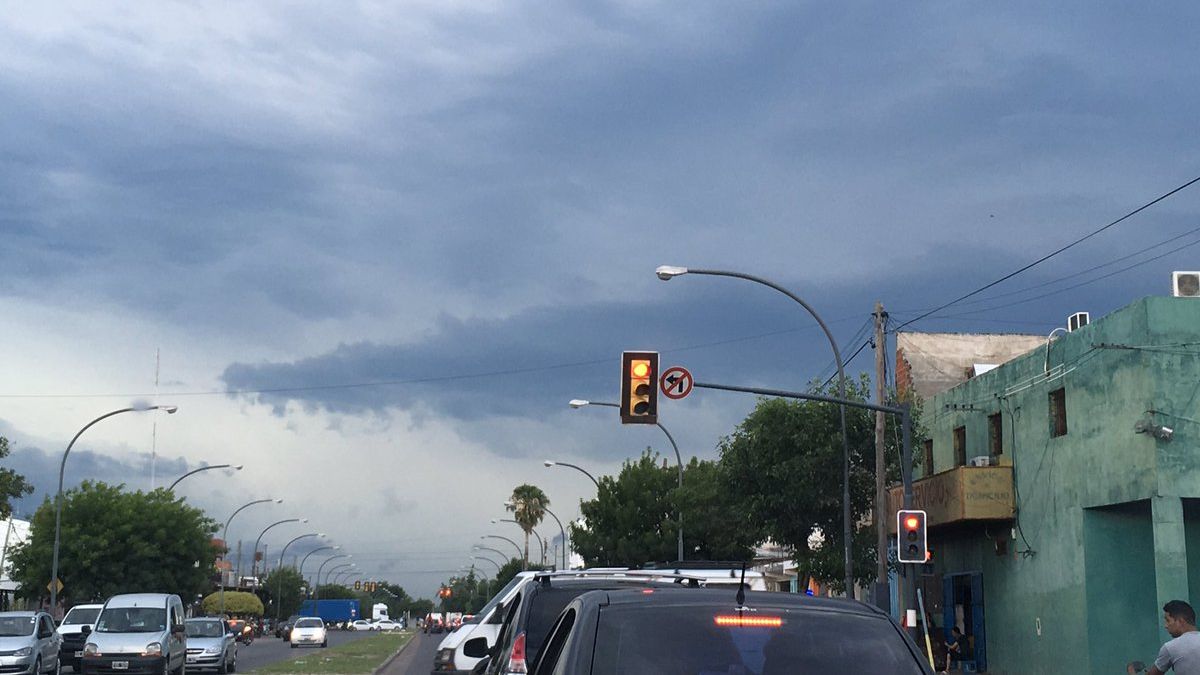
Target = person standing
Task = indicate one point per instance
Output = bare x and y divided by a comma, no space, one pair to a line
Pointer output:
1181,653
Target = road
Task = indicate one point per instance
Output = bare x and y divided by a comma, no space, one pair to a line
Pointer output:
267,650
417,657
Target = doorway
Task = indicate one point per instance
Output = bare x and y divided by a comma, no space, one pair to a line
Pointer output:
962,606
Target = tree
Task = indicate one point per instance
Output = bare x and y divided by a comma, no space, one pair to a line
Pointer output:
784,464
284,590
237,603
634,518
115,541
12,484
528,504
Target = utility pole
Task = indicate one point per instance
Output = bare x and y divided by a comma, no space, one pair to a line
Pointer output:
882,592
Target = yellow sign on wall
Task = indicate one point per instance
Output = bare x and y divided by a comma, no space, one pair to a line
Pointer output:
964,493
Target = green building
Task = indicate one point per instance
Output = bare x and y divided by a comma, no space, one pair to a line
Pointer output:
1063,491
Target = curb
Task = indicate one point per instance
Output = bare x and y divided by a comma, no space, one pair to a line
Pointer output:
384,666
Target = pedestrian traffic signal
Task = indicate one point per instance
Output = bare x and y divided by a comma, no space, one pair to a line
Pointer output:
639,387
912,544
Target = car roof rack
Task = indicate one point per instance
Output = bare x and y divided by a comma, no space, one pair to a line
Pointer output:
622,573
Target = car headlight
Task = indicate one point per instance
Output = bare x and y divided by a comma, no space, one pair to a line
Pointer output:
90,649
214,649
153,649
23,651
445,655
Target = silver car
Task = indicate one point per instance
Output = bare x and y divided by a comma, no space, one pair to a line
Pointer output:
28,644
210,645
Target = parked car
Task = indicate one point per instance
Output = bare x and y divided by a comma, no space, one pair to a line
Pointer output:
713,630
29,642
210,645
362,624
309,630
283,628
530,614
385,624
137,633
71,631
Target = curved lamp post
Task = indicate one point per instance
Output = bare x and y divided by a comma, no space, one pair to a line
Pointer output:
579,403
477,547
62,468
550,462
258,541
225,540
541,544
279,585
317,589
203,468
668,272
345,567
497,536
564,536
300,569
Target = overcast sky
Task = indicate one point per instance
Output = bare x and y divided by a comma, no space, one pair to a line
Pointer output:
457,207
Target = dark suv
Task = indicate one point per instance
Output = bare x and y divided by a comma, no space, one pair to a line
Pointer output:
674,632
531,613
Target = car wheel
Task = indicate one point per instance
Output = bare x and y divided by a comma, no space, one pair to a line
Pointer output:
325,644
233,664
293,645
57,666
37,666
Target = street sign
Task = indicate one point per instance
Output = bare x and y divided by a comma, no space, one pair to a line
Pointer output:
51,586
676,382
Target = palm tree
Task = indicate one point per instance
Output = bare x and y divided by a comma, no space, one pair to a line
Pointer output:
528,504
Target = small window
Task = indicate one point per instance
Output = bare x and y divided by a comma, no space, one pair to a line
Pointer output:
960,446
1058,412
928,456
996,434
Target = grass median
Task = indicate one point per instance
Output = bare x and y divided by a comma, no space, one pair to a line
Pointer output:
352,658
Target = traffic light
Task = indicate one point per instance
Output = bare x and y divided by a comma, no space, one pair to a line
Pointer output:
358,585
639,387
912,546
444,592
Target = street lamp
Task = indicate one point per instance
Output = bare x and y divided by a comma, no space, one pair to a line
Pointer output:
477,547
549,463
564,535
254,567
62,468
279,584
225,541
317,590
345,567
497,536
300,569
541,544
668,272
337,579
579,403
203,468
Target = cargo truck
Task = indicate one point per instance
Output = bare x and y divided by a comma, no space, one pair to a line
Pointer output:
332,611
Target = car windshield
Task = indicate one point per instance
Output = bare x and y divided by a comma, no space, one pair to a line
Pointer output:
81,615
12,626
132,620
688,641
309,623
204,629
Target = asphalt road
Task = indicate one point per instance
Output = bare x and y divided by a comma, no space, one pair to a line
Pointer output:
269,649
417,657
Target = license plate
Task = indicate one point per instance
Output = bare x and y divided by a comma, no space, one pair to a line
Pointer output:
79,655
191,659
120,665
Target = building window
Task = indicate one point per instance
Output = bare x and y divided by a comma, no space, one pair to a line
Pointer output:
928,456
960,446
996,434
1058,412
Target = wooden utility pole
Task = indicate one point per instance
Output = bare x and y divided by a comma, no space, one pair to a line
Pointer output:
881,514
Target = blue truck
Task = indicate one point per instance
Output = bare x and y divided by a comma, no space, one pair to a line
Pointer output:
332,611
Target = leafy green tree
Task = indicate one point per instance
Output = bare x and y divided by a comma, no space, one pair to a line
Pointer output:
784,465
283,589
12,484
115,541
237,603
634,518
528,504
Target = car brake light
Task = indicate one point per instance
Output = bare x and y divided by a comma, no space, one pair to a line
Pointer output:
516,660
748,621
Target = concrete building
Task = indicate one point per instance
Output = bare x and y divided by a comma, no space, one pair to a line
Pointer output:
1063,491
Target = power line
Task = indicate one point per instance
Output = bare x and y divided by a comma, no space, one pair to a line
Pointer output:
1050,255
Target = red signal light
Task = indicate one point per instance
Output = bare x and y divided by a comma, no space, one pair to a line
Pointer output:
912,523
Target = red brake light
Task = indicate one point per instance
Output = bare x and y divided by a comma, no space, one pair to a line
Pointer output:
748,621
516,660
647,591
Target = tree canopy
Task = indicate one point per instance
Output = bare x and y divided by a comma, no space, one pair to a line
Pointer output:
12,484
115,541
283,591
237,603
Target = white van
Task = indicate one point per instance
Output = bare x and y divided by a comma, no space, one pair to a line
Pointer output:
141,633
485,624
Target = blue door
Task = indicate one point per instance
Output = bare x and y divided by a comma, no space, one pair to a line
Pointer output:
966,591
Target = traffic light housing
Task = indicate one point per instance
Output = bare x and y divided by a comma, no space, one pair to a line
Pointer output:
912,543
358,585
639,387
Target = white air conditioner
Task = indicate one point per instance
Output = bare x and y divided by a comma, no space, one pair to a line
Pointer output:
1077,320
982,460
1185,284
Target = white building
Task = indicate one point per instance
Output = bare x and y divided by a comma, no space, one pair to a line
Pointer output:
14,532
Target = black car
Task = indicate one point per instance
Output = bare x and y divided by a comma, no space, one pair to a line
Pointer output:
676,632
531,613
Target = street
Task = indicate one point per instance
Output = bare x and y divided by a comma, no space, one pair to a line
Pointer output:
417,657
267,650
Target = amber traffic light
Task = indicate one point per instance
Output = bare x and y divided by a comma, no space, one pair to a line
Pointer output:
912,544
639,387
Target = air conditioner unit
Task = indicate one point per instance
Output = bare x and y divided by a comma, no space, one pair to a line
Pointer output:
1185,284
1077,320
982,460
